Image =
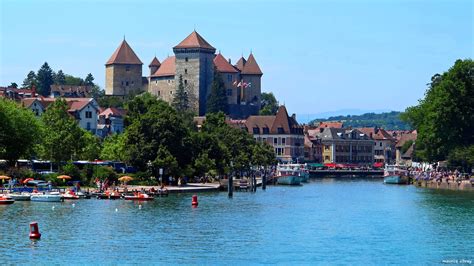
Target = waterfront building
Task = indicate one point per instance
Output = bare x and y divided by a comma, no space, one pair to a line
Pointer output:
349,146
194,60
313,149
84,110
405,157
384,144
280,131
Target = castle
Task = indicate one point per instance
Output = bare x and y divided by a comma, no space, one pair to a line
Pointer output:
195,61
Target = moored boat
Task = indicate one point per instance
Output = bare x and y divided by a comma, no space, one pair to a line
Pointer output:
20,197
288,175
139,197
70,195
109,195
395,174
46,197
6,200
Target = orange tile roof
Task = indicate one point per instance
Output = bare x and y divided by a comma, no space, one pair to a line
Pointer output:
155,62
273,122
223,65
167,68
194,40
241,63
330,124
251,67
124,55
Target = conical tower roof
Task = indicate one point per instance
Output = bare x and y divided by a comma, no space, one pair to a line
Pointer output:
241,63
281,120
155,62
194,40
124,55
251,67
223,65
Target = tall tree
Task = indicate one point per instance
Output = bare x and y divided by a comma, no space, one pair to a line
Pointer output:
45,79
217,100
89,81
60,78
30,80
62,138
444,119
74,81
180,100
114,148
19,131
13,85
268,104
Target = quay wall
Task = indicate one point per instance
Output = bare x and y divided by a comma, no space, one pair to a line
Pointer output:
464,185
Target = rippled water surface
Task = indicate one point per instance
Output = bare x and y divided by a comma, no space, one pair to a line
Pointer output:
324,221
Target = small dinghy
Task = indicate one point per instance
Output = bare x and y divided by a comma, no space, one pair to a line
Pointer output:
6,200
139,197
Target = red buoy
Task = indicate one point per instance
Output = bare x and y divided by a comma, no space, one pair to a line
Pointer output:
34,231
195,203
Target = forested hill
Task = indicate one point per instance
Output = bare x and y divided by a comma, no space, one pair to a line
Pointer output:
389,121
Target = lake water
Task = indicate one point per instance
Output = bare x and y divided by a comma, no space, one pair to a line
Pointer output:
326,221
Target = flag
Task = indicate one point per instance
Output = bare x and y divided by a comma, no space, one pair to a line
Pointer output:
245,85
249,84
235,82
240,84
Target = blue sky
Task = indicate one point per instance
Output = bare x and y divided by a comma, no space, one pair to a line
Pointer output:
317,56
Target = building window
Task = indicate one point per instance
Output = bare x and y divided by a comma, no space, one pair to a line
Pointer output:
156,81
88,126
266,130
256,130
275,140
229,92
186,59
159,93
281,131
126,83
326,147
185,82
88,114
380,144
283,141
133,82
127,68
185,71
171,92
229,77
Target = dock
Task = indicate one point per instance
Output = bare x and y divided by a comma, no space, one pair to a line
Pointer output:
346,173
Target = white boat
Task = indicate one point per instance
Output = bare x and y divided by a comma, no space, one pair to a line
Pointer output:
24,196
47,197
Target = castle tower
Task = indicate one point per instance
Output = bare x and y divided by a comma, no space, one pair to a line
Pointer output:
123,72
230,76
154,65
252,76
194,62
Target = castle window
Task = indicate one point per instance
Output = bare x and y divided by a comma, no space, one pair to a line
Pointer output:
186,59
171,92
185,71
159,93
133,82
127,68
156,81
229,92
126,83
229,77
185,82
169,81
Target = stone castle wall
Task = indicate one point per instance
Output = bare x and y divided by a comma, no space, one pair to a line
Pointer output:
121,80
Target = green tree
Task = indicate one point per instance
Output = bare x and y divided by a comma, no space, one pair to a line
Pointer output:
180,100
268,104
462,157
18,131
154,130
60,78
91,147
73,81
13,85
30,80
444,119
62,136
44,78
114,148
89,81
97,92
217,100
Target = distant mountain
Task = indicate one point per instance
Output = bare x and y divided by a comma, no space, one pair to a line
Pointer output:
305,118
386,120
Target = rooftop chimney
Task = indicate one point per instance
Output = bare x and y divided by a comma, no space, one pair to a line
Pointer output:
230,61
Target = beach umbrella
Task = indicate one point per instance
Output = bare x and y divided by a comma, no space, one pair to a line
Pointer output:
4,177
125,179
27,180
63,177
